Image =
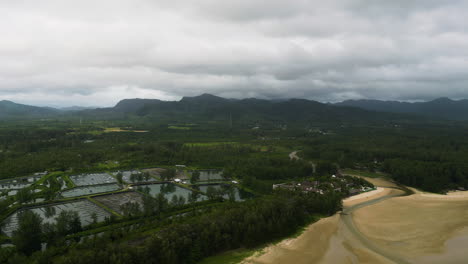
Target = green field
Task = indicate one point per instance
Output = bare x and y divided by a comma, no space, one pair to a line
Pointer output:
364,173
179,127
230,257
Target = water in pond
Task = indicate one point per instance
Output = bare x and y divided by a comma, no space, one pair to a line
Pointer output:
138,176
210,175
17,183
92,179
89,190
169,190
49,214
227,191
117,200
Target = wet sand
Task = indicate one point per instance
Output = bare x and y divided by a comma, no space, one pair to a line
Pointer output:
420,228
360,198
326,241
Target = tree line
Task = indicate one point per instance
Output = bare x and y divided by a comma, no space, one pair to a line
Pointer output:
188,239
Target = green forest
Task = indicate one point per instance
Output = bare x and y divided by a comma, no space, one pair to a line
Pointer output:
186,229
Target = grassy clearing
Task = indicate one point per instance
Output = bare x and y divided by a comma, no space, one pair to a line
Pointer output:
107,166
364,173
104,130
230,257
179,127
118,129
208,144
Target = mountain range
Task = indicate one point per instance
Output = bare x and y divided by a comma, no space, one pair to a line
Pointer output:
207,107
444,108
210,107
11,110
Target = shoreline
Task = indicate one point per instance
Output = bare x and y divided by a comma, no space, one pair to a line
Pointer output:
358,198
418,228
323,235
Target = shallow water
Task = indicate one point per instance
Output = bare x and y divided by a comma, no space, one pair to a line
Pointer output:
169,190
239,195
127,176
89,190
49,213
115,201
92,179
18,183
210,175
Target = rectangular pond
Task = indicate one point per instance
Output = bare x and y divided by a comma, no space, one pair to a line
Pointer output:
89,190
209,175
117,200
169,190
18,183
92,179
49,214
133,176
226,191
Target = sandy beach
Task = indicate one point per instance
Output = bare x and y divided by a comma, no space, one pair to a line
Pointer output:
420,228
362,197
417,226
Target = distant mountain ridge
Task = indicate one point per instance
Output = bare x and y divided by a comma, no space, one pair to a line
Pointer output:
11,110
76,108
440,108
211,108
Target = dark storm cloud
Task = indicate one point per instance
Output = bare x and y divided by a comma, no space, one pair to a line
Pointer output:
63,52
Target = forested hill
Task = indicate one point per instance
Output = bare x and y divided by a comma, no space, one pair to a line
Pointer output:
211,108
11,110
442,107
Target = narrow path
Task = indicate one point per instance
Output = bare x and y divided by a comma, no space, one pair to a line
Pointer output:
293,155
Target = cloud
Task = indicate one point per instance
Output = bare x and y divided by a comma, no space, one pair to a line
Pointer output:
64,52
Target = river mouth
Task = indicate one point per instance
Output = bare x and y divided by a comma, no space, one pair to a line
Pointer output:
389,226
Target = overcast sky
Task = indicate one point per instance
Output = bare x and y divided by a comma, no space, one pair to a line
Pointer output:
94,53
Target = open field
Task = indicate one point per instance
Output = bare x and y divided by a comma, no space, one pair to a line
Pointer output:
209,144
118,129
179,127
230,257
363,173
